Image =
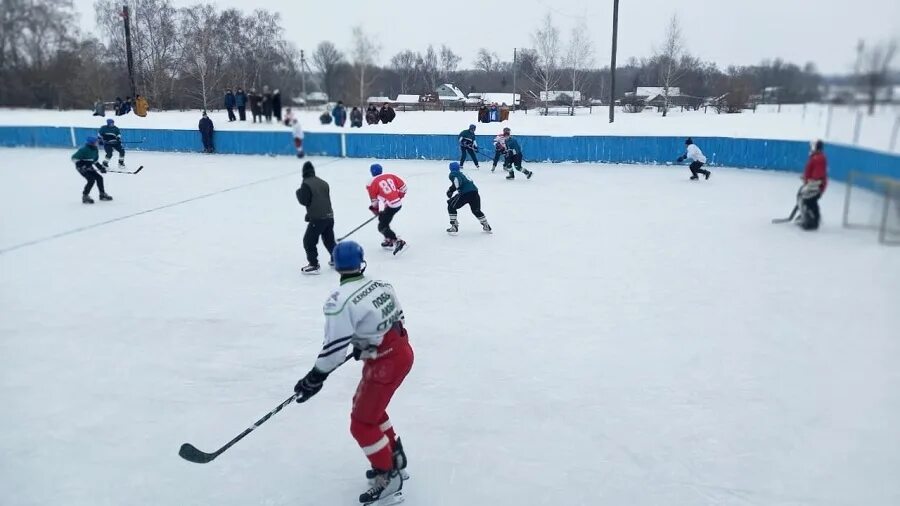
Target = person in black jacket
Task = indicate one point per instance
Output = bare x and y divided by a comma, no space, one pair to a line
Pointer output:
229,104
240,100
206,133
314,194
267,104
255,105
276,105
356,118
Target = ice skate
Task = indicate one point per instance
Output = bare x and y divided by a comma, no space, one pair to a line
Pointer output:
708,173
399,246
387,244
454,228
399,458
511,175
105,196
106,163
387,489
486,227
310,269
121,163
528,174
694,177
86,199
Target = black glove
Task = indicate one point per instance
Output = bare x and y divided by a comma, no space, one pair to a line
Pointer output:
100,167
310,384
680,159
449,193
357,353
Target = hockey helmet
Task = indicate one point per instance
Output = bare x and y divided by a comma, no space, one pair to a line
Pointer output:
472,127
688,141
454,166
376,169
816,145
348,257
110,122
506,131
91,140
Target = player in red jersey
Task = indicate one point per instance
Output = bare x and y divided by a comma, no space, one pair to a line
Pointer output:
815,180
386,192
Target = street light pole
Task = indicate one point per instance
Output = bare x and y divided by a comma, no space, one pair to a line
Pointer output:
612,63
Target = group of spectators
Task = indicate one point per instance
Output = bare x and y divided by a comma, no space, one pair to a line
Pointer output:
266,104
492,113
138,105
373,115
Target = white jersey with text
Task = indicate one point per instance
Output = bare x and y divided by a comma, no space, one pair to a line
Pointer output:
359,313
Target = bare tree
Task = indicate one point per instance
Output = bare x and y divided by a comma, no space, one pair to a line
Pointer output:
449,61
875,67
579,57
545,68
365,50
429,70
202,51
327,60
487,61
670,56
404,64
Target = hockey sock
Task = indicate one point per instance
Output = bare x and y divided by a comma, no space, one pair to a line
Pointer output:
452,219
388,429
374,443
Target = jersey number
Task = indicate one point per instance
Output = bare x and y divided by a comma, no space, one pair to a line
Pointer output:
387,186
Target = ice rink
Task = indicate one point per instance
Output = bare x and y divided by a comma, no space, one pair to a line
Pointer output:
626,337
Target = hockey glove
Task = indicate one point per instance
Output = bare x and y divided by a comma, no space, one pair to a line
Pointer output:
450,192
680,159
310,384
361,354
374,210
100,167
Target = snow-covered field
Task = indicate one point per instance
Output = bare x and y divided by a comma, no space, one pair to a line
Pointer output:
625,337
794,122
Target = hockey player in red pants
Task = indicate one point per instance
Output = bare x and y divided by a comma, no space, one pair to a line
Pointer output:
366,314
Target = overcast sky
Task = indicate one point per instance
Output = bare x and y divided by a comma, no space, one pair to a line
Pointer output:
740,32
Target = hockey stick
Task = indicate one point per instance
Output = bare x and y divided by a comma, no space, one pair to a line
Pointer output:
133,142
190,452
789,218
357,228
126,171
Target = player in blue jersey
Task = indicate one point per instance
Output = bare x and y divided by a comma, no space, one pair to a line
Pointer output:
466,193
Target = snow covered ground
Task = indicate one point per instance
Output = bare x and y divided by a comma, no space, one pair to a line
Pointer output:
626,337
794,122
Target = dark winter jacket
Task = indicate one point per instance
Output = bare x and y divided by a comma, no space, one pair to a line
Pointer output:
276,104
372,115
267,103
315,195
255,103
340,115
387,114
206,126
356,117
229,100
240,99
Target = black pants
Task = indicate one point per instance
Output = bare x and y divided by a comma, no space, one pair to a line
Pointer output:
109,148
315,229
811,214
696,168
460,200
242,112
467,151
513,160
384,222
207,138
230,113
497,155
92,176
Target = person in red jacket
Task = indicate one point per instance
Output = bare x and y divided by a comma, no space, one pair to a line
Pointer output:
815,180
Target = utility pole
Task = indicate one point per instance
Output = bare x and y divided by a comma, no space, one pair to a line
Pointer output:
128,54
514,79
303,77
612,63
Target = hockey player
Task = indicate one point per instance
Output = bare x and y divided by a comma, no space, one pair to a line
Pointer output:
466,193
468,145
513,156
697,159
386,192
366,314
315,195
815,180
499,147
298,137
86,162
111,138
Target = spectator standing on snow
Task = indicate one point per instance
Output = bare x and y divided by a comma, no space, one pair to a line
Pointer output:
230,102
99,108
240,100
387,114
356,118
206,133
267,104
141,106
340,114
372,114
276,105
255,105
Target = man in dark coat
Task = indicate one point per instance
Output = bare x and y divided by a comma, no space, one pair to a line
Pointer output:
255,105
339,113
267,104
372,114
276,105
386,114
229,104
240,100
356,118
206,133
314,194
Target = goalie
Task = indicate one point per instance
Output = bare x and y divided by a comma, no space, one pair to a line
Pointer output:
815,180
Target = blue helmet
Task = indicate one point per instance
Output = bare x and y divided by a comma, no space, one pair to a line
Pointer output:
454,166
90,140
348,257
375,169
110,121
472,127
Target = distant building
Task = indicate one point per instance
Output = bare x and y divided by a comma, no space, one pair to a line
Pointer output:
494,98
450,93
559,96
312,98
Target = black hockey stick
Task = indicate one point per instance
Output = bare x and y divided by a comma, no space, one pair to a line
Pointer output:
126,171
190,452
789,218
357,228
133,142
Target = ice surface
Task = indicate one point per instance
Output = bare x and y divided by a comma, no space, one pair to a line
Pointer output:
792,122
625,337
